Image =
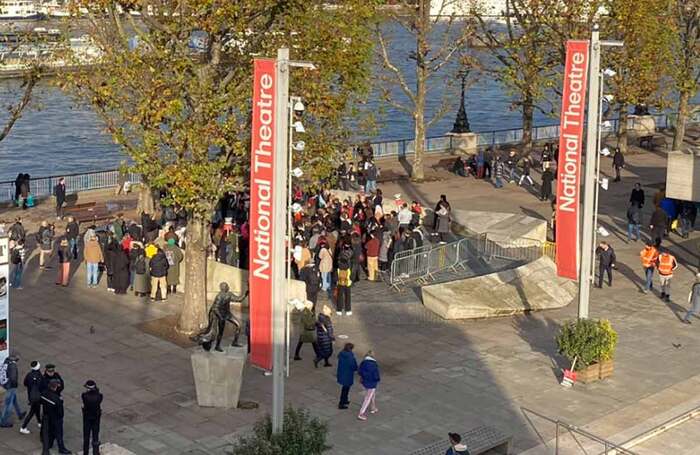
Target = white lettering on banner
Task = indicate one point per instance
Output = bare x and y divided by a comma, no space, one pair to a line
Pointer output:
568,200
263,235
576,76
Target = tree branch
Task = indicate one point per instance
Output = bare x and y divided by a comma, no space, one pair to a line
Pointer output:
16,110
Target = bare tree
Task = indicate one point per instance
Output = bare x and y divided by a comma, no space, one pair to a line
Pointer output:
686,56
438,40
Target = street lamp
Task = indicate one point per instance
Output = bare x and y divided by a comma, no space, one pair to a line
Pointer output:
592,168
461,124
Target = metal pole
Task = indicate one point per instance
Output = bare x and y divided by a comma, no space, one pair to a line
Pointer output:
290,244
597,172
556,440
589,182
279,283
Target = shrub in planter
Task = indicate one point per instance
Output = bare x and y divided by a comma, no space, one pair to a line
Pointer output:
301,434
587,340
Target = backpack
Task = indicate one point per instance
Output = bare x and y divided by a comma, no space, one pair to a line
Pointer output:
16,258
3,375
140,264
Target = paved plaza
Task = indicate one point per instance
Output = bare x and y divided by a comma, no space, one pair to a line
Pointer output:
437,376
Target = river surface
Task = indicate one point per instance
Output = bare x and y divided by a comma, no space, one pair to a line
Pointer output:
58,136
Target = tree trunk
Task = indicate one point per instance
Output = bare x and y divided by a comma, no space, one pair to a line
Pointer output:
528,119
146,202
417,173
622,129
681,121
194,310
422,46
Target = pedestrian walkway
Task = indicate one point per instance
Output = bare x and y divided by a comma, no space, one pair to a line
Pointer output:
437,376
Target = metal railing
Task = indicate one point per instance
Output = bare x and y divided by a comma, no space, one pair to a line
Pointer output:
43,186
609,448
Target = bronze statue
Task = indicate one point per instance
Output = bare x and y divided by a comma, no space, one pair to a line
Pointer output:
219,314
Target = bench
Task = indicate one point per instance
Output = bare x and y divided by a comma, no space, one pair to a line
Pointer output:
445,163
652,141
478,440
389,176
88,212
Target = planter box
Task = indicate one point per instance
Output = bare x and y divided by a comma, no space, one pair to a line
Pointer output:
595,372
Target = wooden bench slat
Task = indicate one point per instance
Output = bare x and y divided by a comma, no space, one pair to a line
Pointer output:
478,440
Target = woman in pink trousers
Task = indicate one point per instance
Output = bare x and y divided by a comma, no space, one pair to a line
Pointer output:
369,377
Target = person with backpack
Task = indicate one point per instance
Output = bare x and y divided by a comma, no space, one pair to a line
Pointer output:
174,255
93,256
139,269
92,413
369,377
17,263
159,271
307,330
310,276
33,382
9,380
17,231
343,300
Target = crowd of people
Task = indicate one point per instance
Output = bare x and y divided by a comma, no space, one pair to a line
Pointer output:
45,401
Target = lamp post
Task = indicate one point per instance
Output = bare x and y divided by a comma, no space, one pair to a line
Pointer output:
461,124
592,171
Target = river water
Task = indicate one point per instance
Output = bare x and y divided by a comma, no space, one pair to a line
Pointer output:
58,136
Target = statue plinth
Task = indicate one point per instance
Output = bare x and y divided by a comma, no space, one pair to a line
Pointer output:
218,376
641,125
464,143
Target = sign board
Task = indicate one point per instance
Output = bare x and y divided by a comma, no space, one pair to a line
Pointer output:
4,298
683,176
261,212
569,166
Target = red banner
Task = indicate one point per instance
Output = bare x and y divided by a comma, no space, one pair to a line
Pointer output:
261,213
569,165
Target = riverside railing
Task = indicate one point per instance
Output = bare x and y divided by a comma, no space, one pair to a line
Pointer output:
43,186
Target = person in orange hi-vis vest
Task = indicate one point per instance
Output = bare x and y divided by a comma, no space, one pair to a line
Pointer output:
666,265
649,256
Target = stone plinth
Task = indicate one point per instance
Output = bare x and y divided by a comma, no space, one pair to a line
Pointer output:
530,287
507,228
218,376
683,176
641,125
464,143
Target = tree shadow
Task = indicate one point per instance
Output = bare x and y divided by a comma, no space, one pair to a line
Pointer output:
540,333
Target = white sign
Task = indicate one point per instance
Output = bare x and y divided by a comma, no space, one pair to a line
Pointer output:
4,298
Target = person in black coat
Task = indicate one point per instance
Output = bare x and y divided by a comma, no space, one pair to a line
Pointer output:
110,252
18,188
324,337
618,163
60,192
606,257
33,382
159,270
546,189
52,419
50,374
310,276
657,224
120,271
637,195
92,413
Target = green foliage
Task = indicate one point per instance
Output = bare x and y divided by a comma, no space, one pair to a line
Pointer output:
587,340
302,435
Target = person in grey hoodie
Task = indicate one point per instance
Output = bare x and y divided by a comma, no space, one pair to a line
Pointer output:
12,373
693,300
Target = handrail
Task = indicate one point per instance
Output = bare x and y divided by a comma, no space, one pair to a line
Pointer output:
573,428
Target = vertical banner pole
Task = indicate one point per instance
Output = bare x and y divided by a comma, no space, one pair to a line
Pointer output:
4,298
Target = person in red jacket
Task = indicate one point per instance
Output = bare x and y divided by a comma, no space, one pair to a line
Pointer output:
372,248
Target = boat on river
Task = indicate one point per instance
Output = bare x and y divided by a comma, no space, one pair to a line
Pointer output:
19,10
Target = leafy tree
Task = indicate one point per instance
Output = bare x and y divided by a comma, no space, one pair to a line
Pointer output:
173,87
301,434
430,59
643,64
686,61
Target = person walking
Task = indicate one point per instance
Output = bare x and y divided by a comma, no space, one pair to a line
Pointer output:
159,270
17,257
344,283
45,238
64,258
649,257
59,191
93,257
17,231
369,377
526,165
371,173
345,373
174,255
372,247
606,258
634,220
457,447
511,162
92,413
618,163
444,222
666,264
307,330
324,337
637,195
546,187
657,225
33,382
52,419
72,233
312,279
325,267
9,380
498,172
